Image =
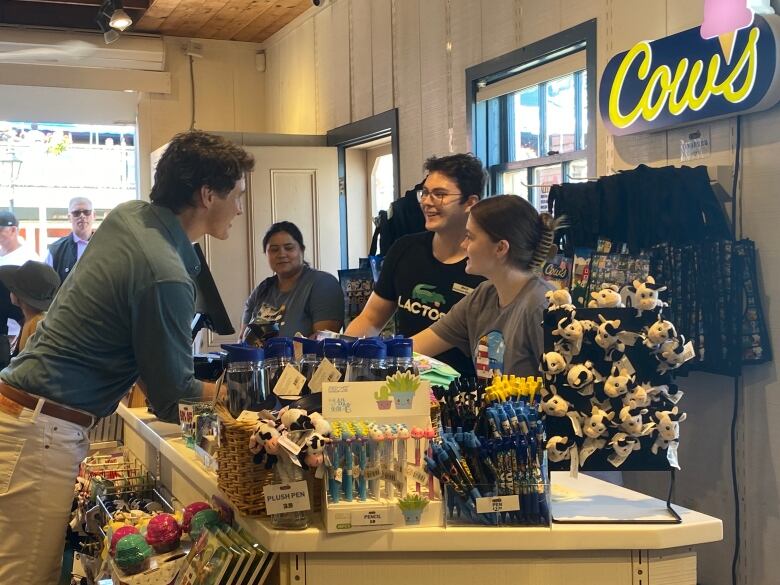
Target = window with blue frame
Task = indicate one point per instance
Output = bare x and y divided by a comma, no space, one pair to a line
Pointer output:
531,115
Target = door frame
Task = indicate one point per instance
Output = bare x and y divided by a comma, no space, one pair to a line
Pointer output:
354,134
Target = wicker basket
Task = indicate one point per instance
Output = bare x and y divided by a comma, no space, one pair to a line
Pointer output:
239,477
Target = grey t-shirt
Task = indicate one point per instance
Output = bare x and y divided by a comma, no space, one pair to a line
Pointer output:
317,296
509,339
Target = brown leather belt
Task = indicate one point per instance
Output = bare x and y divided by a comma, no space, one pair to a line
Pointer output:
49,408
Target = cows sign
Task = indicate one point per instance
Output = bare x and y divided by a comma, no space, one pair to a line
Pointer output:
727,66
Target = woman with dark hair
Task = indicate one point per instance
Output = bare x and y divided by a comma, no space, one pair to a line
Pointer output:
500,323
301,299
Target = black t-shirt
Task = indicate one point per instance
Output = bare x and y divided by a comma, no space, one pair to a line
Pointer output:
424,289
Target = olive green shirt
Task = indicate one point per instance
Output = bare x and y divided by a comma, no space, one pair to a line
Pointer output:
125,311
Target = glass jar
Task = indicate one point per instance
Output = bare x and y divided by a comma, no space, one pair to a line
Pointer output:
286,472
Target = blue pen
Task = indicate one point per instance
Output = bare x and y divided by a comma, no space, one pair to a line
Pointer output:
361,430
336,446
346,479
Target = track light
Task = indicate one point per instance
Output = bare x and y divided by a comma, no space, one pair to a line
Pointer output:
120,20
109,34
112,18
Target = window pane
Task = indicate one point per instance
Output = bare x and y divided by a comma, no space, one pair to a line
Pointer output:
382,184
514,183
583,80
578,170
560,112
546,176
527,122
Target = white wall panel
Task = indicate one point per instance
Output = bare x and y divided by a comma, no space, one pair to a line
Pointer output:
537,24
297,81
361,67
466,38
331,32
382,54
406,56
273,89
574,12
500,29
434,73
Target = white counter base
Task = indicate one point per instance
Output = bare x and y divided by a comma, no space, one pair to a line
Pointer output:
619,554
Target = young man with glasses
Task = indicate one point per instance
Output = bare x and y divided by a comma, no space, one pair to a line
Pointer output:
124,315
424,275
65,252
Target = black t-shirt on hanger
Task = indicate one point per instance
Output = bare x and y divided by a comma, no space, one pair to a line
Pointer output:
424,289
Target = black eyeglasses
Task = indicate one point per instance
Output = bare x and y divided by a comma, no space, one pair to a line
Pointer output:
80,212
436,196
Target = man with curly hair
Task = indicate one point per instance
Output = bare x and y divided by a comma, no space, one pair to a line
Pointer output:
125,314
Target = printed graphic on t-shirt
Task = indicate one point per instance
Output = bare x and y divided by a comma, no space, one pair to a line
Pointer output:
425,301
489,354
270,314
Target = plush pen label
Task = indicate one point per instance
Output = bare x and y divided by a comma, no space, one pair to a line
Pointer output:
326,372
292,497
498,504
290,383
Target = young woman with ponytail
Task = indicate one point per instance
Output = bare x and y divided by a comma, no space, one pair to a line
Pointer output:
499,324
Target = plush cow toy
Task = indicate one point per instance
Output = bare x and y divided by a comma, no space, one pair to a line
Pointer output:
607,298
643,295
668,428
559,299
559,448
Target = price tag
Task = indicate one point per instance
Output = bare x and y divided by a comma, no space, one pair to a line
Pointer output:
498,504
290,383
416,473
373,472
326,372
372,517
291,497
339,475
247,416
291,446
688,352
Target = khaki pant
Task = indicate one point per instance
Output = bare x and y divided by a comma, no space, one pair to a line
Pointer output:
39,461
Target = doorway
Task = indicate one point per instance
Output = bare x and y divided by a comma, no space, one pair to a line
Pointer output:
368,179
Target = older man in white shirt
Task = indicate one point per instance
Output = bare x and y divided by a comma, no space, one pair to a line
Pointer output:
14,251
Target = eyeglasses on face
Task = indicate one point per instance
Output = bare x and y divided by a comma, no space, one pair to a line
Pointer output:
80,212
436,196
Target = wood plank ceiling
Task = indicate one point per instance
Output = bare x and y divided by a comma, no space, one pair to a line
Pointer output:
232,20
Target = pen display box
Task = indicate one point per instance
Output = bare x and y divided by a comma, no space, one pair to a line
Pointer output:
489,505
375,476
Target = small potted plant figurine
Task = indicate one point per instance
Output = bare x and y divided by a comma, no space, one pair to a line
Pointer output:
412,507
402,386
382,397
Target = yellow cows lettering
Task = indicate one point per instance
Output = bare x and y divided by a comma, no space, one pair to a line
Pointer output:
677,91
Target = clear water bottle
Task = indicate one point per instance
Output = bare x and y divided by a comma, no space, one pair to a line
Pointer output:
279,353
368,362
336,351
247,387
399,355
310,360
285,473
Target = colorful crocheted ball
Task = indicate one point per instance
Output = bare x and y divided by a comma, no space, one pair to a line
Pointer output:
190,511
201,520
132,553
118,534
163,533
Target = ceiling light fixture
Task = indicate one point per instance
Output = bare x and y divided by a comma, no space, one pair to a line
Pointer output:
112,18
120,20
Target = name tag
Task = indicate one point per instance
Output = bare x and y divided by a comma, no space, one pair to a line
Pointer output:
462,288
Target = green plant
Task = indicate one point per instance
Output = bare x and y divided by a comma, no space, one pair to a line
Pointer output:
403,382
412,502
383,394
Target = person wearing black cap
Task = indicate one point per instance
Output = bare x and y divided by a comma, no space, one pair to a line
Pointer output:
12,249
32,286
